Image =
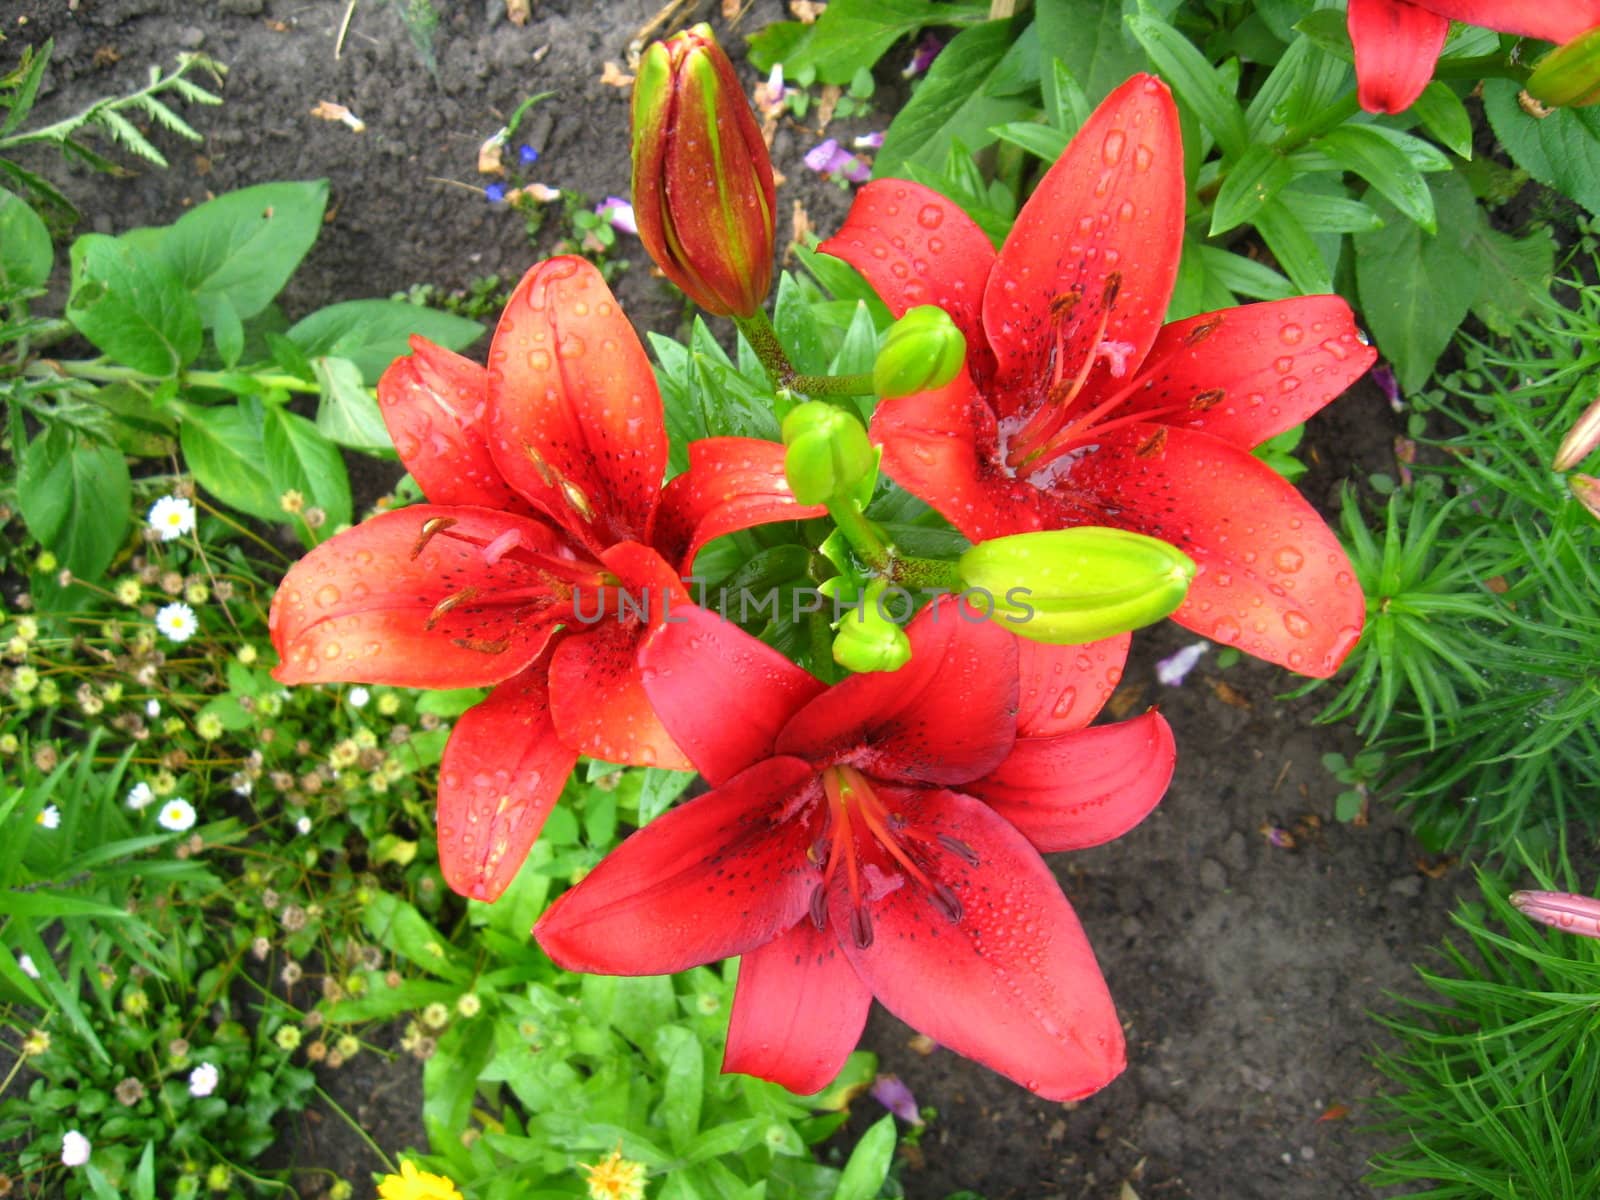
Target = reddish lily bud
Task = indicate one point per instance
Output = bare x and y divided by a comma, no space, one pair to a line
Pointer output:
1569,76
1586,490
1581,440
924,350
1563,910
703,194
1069,586
829,454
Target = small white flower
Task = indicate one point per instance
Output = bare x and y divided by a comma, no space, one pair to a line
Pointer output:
203,1080
176,815
358,697
303,824
172,517
74,1149
140,796
177,621
49,816
152,709
26,963
1175,667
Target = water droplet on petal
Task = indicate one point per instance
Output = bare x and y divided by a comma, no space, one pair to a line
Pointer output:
1111,148
931,216
1297,623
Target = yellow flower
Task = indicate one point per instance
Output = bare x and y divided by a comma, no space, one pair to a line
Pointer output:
412,1184
614,1178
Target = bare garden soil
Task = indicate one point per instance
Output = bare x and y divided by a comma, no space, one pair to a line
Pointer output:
1244,967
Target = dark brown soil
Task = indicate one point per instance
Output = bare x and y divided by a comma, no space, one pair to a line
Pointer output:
1243,970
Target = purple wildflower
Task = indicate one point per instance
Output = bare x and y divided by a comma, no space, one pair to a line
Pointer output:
828,158
527,155
894,1095
1173,669
922,58
495,193
619,213
1383,376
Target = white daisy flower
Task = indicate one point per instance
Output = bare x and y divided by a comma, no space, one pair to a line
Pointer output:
303,824
358,697
74,1149
25,962
176,815
152,709
172,517
140,796
177,621
49,816
203,1080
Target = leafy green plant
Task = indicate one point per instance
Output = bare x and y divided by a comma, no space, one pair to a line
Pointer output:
1495,1083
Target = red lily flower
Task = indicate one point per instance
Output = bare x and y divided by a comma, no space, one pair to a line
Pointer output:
1397,42
547,551
1077,407
881,837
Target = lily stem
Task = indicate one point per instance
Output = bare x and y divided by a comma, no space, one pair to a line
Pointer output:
223,380
863,536
763,338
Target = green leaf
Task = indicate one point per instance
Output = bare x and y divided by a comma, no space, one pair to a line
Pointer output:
222,446
1292,246
1245,276
450,1079
1258,175
132,306
25,254
19,105
682,1083
348,413
1369,154
1087,36
241,248
1444,116
1197,84
1561,150
373,333
1065,103
404,930
75,495
1041,140
869,1163
228,333
851,35
300,459
1416,289
954,102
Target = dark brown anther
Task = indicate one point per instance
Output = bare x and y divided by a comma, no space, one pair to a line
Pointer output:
861,928
1061,306
947,902
1108,298
430,527
959,848
1207,399
1201,331
819,906
1152,445
482,645
462,597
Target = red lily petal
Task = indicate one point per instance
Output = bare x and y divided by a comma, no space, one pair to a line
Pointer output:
732,483
1552,20
715,877
358,606
1246,374
1064,687
435,404
931,448
1396,45
697,659
1032,1006
1083,788
576,417
916,247
597,696
798,1011
1273,578
947,716
1105,224
502,772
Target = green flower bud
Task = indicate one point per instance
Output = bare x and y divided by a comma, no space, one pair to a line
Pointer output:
924,350
867,640
1569,76
1068,586
703,193
829,453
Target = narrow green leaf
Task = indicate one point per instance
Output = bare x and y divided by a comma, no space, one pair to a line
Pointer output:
127,135
1040,140
1065,102
227,332
1444,116
1254,179
1197,84
682,1083
34,62
1369,154
869,1163
1292,246
1089,39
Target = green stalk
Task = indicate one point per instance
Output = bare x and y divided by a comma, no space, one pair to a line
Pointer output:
763,338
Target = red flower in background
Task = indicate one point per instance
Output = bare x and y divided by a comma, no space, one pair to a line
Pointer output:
543,474
880,837
1397,42
1078,407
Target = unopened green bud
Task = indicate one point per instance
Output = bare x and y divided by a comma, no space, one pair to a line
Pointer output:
1569,76
1069,586
829,453
924,350
868,639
